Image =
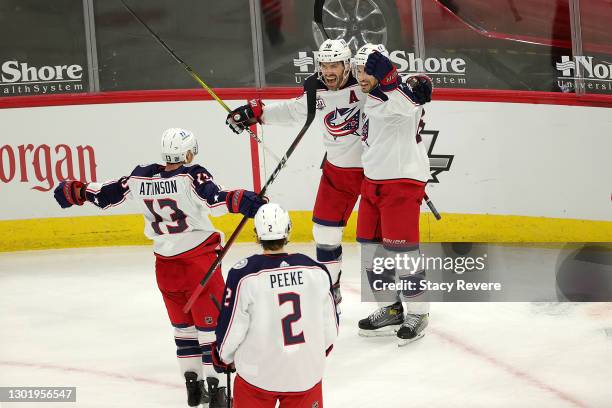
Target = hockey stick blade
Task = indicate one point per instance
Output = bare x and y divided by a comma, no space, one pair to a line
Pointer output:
311,100
318,16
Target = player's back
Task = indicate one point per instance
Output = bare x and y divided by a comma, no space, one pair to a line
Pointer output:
279,320
175,210
393,150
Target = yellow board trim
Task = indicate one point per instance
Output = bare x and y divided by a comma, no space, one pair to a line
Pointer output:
115,230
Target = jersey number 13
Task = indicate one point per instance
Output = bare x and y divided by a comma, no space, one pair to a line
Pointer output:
174,222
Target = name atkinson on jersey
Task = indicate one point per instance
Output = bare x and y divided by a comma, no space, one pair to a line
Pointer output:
157,187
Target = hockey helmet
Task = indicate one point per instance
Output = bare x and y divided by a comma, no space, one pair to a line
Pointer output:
361,57
334,51
272,222
175,143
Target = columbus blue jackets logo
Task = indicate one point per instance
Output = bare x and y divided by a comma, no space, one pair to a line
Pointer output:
342,121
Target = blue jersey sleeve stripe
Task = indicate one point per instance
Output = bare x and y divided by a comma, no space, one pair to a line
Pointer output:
110,194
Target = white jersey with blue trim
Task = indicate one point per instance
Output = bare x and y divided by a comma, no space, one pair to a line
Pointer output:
175,205
278,321
393,149
338,116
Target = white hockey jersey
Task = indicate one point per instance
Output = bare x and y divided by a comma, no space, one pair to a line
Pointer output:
393,150
338,118
175,205
278,321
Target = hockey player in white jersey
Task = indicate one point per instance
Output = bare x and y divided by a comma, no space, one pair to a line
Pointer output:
396,168
339,104
176,199
278,322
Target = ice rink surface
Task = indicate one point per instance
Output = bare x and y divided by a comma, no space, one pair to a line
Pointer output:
93,318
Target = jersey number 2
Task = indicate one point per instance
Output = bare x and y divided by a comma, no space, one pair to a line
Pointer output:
176,215
287,321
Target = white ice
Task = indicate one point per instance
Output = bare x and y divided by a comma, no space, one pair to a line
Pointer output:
93,318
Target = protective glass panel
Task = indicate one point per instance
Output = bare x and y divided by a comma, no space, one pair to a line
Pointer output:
290,39
42,47
596,63
496,44
214,37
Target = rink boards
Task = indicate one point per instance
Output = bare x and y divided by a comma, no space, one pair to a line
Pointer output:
505,172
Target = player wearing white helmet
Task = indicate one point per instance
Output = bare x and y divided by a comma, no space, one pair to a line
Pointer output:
176,144
176,199
278,321
272,223
339,104
334,63
396,168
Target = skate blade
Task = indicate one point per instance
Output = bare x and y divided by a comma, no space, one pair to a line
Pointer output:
382,332
403,342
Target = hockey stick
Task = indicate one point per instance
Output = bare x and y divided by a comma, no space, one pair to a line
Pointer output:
318,16
228,374
432,207
193,74
311,95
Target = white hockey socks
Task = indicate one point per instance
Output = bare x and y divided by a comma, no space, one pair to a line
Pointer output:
188,351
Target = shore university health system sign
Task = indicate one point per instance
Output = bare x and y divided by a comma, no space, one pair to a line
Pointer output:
18,78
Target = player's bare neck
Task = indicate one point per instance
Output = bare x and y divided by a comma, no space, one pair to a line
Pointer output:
172,166
344,82
274,252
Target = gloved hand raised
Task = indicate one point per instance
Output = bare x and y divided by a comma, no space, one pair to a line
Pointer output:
421,88
69,193
381,68
244,116
244,202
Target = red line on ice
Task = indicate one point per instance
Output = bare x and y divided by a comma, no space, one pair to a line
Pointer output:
98,373
496,362
508,368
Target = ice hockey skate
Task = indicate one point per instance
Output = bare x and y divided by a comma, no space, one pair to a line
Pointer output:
412,328
196,393
383,322
218,395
